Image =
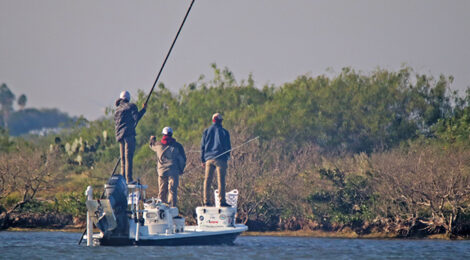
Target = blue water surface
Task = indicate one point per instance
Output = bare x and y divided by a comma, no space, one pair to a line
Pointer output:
62,245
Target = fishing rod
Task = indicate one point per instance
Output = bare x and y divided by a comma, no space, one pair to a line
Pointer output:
234,148
195,167
198,151
153,87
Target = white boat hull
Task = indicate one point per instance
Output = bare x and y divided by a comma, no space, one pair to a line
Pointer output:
192,235
123,221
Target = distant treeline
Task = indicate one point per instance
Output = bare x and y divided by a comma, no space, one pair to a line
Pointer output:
380,152
24,120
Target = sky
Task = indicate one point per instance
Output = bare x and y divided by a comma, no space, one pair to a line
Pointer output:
78,56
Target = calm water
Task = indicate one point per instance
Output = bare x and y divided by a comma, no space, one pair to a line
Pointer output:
59,245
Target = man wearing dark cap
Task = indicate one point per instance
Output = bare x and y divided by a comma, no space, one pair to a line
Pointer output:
215,152
125,119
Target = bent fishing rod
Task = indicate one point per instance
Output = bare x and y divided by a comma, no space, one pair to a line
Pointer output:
153,87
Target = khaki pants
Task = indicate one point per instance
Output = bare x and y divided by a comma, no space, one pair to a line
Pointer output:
127,148
221,167
166,183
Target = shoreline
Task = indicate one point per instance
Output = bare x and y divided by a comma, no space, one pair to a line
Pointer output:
300,233
344,235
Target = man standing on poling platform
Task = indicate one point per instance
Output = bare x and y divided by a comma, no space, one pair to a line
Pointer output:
126,118
215,152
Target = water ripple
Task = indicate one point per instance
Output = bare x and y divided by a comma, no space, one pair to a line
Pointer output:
42,245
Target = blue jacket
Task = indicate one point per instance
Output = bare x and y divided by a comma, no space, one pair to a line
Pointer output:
215,141
126,118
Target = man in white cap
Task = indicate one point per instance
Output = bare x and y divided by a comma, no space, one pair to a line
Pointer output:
215,152
171,161
126,118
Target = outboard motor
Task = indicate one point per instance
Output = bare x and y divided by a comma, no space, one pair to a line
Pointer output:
116,192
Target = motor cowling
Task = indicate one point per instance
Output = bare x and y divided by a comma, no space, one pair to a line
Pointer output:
116,192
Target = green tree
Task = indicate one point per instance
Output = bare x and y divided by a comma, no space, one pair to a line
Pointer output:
355,112
456,128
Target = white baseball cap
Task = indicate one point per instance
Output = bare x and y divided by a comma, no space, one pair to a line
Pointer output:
167,130
217,116
125,95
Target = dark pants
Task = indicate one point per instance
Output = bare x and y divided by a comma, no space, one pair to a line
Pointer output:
127,148
170,183
221,167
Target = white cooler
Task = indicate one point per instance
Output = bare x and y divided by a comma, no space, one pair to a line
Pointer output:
214,217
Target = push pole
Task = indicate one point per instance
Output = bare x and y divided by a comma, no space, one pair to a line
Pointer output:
164,62
153,87
168,54
151,91
163,65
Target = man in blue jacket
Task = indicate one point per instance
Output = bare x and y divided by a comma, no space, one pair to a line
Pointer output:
126,118
215,152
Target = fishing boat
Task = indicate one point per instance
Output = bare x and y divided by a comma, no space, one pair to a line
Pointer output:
125,217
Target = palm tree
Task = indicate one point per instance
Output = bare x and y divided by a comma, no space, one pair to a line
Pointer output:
22,101
6,100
